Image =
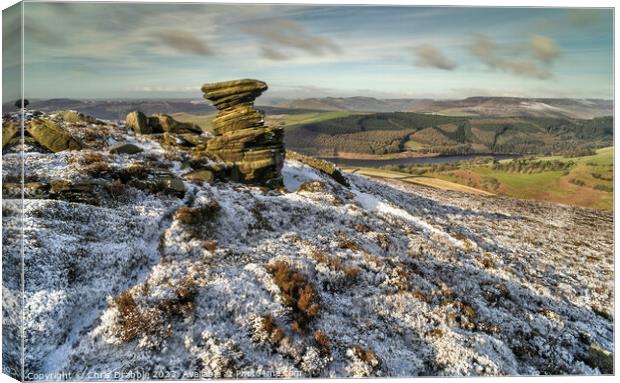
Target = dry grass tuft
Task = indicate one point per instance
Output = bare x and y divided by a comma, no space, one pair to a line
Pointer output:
315,186
297,293
367,356
132,322
275,333
323,342
197,215
210,245
346,243
99,169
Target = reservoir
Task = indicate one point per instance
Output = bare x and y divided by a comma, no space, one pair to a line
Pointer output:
413,160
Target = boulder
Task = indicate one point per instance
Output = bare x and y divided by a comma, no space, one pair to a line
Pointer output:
124,148
9,128
52,136
171,185
138,122
323,166
75,116
165,123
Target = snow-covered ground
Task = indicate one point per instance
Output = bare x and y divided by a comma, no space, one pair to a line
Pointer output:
408,280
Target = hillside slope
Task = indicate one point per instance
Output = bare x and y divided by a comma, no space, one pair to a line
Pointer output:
385,133
317,279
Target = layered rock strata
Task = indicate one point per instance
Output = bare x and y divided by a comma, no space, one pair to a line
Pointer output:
256,151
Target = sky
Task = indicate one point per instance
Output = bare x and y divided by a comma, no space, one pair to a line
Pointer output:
150,50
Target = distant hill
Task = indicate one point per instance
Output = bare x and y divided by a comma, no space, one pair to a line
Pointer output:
472,106
118,109
390,133
359,104
469,107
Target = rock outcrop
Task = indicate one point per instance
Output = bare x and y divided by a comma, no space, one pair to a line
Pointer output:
73,116
256,151
52,136
138,122
158,123
9,129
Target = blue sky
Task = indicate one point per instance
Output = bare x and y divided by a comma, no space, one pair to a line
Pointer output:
95,50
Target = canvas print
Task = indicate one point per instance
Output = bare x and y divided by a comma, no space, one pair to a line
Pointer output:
201,190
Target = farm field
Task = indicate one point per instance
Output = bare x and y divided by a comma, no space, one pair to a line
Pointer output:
585,181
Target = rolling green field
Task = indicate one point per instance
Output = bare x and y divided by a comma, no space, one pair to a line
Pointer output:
310,117
585,181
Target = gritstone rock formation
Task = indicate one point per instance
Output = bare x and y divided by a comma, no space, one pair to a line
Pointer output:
241,138
158,123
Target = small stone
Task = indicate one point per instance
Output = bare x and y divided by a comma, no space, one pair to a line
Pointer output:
200,176
172,186
124,148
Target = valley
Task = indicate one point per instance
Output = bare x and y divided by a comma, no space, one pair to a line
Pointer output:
466,142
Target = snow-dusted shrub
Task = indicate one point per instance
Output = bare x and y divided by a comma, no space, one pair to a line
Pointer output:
197,215
363,362
297,292
314,361
131,321
323,343
345,243
266,330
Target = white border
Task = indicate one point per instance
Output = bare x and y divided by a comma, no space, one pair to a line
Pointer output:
481,3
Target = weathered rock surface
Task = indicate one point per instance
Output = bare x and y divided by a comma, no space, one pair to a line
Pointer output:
164,123
200,176
321,165
138,122
159,123
256,151
52,136
76,117
9,129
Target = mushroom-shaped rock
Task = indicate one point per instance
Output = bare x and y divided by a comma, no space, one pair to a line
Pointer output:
241,138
